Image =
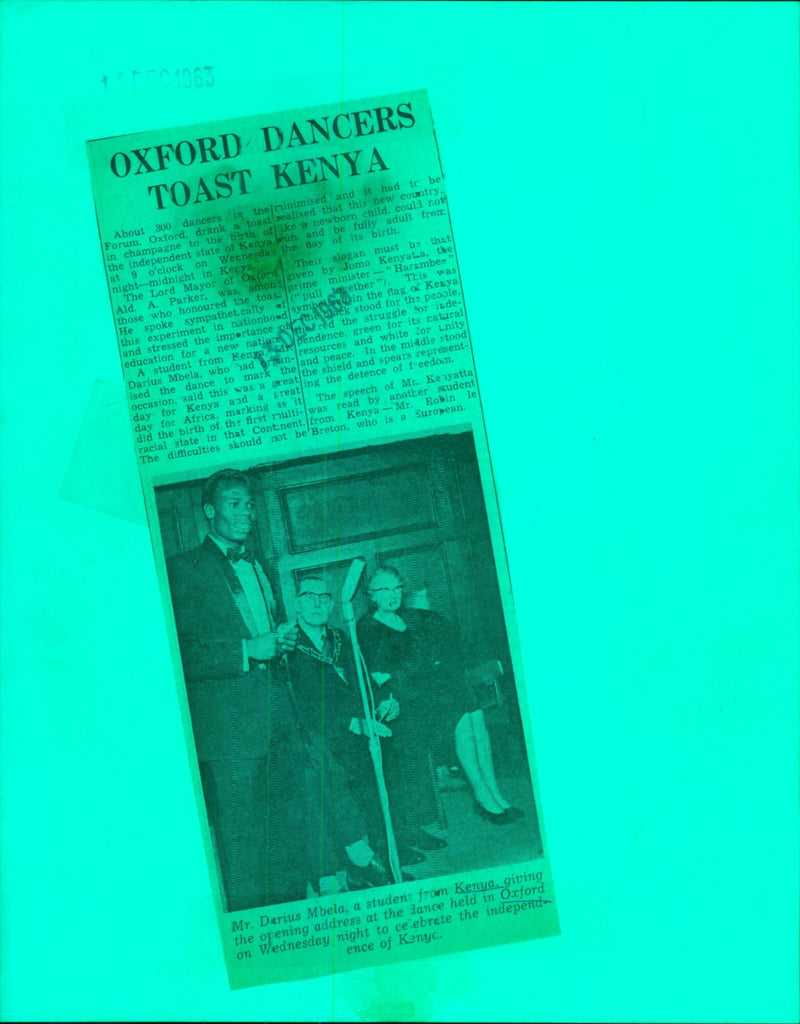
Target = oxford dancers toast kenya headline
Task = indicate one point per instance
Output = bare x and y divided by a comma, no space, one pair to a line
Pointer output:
307,423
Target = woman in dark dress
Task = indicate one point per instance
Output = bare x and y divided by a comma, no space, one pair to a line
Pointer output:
414,656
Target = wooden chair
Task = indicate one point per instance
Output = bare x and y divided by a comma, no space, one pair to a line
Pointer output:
484,682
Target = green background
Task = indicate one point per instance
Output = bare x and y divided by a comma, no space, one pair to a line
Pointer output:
622,182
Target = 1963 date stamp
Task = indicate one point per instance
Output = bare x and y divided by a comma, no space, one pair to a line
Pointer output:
137,80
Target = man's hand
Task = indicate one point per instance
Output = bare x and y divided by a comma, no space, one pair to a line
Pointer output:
263,647
358,726
287,636
267,646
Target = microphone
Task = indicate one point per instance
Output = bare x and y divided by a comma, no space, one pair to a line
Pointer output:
349,588
352,579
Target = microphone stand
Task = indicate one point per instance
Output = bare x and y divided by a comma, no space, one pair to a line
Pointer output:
374,740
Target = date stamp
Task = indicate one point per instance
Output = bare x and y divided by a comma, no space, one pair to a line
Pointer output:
135,80
299,329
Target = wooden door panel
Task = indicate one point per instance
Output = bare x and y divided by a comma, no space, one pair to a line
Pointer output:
169,523
358,507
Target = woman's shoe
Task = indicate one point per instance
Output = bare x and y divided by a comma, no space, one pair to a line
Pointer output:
425,841
509,815
408,855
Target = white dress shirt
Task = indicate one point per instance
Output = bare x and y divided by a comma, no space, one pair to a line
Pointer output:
257,592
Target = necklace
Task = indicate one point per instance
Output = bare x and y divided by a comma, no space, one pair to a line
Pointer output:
311,651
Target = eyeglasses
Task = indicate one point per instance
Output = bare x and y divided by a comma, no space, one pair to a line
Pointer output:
387,590
316,598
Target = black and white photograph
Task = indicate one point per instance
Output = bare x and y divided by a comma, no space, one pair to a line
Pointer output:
348,671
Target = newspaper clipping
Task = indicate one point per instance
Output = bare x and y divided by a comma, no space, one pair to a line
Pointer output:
308,428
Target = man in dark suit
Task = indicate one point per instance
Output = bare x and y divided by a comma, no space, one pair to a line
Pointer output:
246,733
343,805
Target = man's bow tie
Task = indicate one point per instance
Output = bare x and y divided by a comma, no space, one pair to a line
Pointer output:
234,554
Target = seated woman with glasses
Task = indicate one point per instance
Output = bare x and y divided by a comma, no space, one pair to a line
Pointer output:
415,654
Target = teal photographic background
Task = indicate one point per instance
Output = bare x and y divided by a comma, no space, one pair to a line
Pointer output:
622,181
